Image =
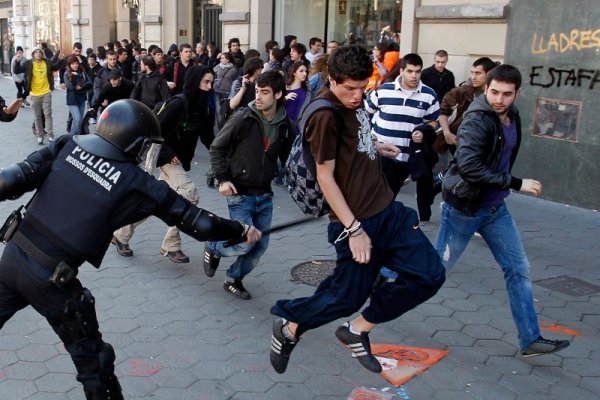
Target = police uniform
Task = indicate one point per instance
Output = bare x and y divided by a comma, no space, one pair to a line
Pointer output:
81,199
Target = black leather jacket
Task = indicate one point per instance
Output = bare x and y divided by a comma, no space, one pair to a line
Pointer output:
474,169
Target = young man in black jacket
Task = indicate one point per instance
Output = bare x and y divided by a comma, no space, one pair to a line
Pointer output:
244,159
474,190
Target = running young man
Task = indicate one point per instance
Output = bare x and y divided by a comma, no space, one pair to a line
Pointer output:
367,228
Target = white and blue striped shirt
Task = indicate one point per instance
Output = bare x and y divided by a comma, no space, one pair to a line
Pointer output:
398,111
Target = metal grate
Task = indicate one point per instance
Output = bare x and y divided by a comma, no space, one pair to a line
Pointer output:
212,25
312,272
569,285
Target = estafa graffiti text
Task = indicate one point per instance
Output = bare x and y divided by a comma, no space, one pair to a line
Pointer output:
561,42
557,77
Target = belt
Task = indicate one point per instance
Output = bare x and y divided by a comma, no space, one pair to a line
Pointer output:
38,255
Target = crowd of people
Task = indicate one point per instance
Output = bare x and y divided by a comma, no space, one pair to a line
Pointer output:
387,121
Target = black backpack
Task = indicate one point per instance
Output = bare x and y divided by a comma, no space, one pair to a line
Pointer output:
301,168
161,106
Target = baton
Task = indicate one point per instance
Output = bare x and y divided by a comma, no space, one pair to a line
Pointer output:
273,229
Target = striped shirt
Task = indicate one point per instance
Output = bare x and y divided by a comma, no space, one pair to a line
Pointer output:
398,111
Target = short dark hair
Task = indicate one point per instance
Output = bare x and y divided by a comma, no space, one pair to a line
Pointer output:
505,73
77,46
275,81
485,62
184,46
350,62
269,44
250,53
149,62
233,40
121,50
92,55
157,50
441,53
278,53
110,53
412,59
299,47
252,64
314,40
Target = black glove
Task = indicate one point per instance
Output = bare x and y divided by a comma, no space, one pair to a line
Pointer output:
242,239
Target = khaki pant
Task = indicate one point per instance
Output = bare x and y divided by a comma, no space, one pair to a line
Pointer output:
180,181
43,105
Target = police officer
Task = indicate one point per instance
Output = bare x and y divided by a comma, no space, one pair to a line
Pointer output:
106,190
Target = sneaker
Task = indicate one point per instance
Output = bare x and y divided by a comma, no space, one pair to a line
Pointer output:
281,347
40,140
26,103
211,262
237,288
360,347
92,121
50,139
177,256
544,346
122,248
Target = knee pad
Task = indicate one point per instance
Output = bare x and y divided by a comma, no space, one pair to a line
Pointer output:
78,320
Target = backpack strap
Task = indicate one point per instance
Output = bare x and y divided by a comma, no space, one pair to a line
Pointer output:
312,107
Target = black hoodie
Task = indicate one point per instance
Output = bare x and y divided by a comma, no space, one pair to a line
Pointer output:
181,129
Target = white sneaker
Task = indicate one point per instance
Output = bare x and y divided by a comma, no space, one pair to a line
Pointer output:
40,140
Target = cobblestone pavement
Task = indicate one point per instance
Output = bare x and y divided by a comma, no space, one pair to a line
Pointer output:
179,335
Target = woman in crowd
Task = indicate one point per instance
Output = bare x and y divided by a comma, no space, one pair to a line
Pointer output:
78,83
319,75
298,95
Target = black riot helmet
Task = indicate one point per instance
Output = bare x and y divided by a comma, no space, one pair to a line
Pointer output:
125,130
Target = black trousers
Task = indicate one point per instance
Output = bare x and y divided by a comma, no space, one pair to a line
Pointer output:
396,173
23,282
22,93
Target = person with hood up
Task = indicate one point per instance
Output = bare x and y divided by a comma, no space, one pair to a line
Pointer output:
184,119
244,157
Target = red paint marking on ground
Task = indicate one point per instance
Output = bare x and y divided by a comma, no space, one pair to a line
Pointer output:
558,328
366,394
2,376
412,361
141,368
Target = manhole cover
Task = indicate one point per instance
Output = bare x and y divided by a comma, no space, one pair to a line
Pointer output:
569,285
312,272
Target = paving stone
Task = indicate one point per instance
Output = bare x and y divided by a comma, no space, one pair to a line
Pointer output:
591,384
174,378
294,391
37,352
582,366
482,332
509,365
248,381
569,392
454,338
522,384
496,347
24,370
56,382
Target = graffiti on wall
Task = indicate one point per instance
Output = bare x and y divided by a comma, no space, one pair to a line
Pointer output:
561,42
558,77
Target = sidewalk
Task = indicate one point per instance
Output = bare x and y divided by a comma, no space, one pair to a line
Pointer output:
179,335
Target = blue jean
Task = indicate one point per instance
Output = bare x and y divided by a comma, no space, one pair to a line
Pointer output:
498,229
251,210
77,112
